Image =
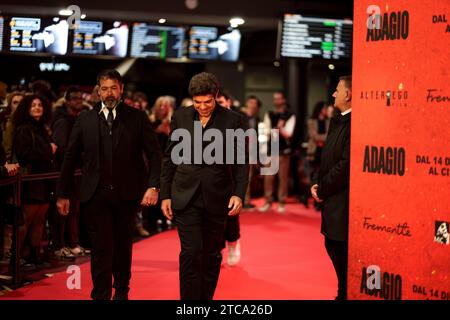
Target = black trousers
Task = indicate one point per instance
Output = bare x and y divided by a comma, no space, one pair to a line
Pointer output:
110,222
232,230
201,236
66,228
338,252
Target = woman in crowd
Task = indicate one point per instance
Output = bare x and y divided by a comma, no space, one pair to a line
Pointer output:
160,117
34,150
13,100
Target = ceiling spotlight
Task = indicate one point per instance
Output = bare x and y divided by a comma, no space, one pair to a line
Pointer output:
331,66
236,22
276,63
191,4
83,16
65,12
162,20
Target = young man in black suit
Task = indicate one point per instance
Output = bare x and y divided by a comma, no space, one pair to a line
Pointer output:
111,140
198,195
333,184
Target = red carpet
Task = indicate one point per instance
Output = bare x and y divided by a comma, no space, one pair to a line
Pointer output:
283,258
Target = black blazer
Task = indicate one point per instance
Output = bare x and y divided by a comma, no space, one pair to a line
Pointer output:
218,182
3,171
34,153
334,176
134,137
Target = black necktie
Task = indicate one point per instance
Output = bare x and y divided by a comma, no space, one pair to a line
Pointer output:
110,119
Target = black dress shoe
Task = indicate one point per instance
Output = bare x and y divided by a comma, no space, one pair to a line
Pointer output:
120,296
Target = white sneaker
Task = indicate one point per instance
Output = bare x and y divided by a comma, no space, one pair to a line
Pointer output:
234,254
76,251
64,253
265,207
79,251
281,208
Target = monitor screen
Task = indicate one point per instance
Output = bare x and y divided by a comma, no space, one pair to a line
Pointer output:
306,37
150,41
2,20
45,35
101,38
210,44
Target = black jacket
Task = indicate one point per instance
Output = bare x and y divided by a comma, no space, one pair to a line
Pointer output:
134,137
33,151
61,124
3,171
334,176
218,182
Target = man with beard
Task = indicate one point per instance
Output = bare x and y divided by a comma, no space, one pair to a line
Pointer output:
111,140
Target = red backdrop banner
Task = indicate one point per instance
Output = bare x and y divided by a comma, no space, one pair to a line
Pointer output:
400,151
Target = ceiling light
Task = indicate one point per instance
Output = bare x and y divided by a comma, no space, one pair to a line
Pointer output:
235,22
65,12
162,20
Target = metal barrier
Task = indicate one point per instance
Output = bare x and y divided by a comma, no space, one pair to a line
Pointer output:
16,182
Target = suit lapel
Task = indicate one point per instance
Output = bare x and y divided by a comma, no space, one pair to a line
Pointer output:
93,127
191,121
121,117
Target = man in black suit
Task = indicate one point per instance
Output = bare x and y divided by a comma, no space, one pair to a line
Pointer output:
111,140
200,196
332,187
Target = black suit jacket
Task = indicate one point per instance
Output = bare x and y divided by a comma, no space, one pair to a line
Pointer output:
334,176
218,182
134,138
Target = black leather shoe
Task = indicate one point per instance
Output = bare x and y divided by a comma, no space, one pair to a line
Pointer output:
120,296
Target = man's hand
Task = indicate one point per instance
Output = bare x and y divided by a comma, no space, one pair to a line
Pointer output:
63,206
150,197
12,169
54,147
314,193
235,205
166,207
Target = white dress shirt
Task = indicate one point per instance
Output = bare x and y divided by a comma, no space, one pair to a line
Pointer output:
105,111
346,111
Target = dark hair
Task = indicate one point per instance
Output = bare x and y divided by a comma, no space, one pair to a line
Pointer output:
347,80
71,90
317,108
224,93
8,109
280,92
40,86
109,74
22,113
139,95
203,83
43,88
258,102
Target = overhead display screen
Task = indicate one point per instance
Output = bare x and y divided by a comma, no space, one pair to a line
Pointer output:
33,34
305,37
2,20
209,43
101,38
150,41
